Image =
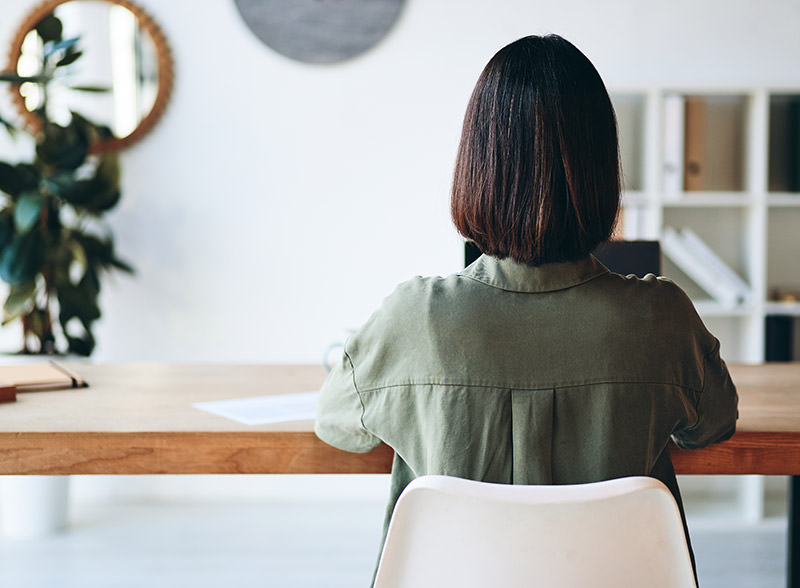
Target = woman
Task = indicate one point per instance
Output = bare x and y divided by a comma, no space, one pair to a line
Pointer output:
536,364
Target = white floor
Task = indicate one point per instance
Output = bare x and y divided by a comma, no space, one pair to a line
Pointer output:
752,556
158,545
301,542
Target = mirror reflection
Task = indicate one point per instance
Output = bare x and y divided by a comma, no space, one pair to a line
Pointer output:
102,64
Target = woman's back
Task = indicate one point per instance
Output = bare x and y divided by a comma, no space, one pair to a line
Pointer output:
561,373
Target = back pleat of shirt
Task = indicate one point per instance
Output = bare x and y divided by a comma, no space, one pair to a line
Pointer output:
532,414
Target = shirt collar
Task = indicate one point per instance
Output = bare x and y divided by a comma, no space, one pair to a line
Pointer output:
507,274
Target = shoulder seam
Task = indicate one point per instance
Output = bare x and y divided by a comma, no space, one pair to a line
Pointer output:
355,387
549,386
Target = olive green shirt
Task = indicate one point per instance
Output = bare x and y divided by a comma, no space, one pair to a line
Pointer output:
557,374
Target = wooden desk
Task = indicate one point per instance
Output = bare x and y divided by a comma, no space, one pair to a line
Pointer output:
767,438
138,419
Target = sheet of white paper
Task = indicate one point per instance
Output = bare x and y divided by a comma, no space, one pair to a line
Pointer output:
262,410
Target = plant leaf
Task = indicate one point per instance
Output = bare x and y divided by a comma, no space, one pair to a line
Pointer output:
58,183
15,179
6,227
36,323
94,89
19,301
122,265
66,44
64,148
10,128
11,76
107,193
14,78
79,301
10,181
99,252
67,261
81,345
49,28
27,211
71,57
22,258
99,193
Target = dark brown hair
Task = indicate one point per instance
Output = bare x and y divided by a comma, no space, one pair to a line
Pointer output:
537,174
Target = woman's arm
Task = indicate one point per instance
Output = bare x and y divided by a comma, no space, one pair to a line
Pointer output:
716,406
340,411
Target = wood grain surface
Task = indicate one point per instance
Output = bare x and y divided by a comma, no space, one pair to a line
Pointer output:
139,419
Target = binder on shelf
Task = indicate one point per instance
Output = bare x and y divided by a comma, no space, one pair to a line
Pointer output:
784,144
701,264
703,143
720,268
694,163
673,145
629,110
779,337
795,144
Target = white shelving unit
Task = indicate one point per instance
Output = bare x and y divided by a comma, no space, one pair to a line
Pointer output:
748,213
752,227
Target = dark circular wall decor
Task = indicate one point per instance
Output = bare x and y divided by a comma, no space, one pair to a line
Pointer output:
320,31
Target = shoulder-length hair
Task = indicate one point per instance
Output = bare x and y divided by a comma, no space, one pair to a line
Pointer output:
537,176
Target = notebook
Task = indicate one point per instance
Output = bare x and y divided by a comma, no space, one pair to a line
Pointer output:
36,376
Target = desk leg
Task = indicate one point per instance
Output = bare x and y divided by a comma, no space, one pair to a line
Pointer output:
793,534
33,506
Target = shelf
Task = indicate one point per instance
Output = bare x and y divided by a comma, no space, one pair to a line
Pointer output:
708,199
635,198
712,308
784,308
787,199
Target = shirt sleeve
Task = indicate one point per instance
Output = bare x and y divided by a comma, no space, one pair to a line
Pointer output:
717,406
340,411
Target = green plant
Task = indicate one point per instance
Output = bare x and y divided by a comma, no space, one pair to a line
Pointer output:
54,244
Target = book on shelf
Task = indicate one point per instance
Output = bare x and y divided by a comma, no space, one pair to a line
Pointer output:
699,262
38,376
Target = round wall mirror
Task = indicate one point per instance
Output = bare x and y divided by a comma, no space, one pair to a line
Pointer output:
106,60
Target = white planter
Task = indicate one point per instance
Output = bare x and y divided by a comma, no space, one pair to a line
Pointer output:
33,506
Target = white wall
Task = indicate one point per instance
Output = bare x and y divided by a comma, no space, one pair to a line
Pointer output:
277,202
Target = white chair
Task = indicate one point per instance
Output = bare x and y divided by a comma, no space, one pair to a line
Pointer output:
451,532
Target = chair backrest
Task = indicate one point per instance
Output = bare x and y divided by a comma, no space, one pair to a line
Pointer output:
619,533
